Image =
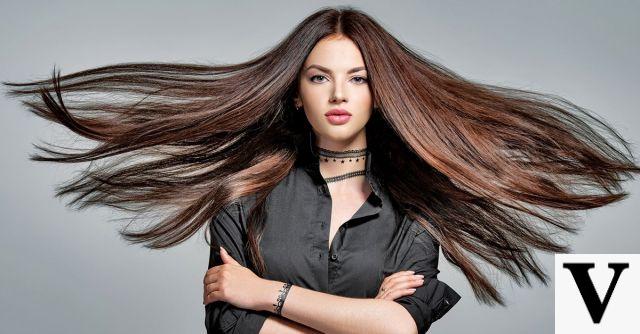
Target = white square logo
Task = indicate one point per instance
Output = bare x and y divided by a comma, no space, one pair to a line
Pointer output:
597,293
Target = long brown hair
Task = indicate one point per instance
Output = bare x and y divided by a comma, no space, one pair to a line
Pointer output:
491,172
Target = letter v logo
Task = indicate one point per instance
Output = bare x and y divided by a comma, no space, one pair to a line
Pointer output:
580,273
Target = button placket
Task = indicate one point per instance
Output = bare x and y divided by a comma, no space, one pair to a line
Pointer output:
340,234
319,242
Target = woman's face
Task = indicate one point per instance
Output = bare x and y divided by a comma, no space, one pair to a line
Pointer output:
334,77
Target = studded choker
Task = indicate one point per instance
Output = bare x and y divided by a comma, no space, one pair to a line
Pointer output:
342,156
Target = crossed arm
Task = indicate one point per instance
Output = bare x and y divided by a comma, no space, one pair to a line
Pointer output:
277,324
309,311
328,313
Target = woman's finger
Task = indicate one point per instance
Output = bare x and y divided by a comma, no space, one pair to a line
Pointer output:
397,293
406,283
397,284
211,290
400,273
395,280
211,277
395,276
211,297
402,282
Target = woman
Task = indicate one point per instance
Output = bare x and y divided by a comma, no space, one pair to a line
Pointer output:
330,227
307,241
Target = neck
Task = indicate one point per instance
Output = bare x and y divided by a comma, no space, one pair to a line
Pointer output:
345,162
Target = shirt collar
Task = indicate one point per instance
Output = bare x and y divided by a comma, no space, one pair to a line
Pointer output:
311,164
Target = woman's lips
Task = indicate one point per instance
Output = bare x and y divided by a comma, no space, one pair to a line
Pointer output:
338,119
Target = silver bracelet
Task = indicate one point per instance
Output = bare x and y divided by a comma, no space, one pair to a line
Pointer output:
283,295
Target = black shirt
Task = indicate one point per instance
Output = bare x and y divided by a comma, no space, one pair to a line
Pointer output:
376,242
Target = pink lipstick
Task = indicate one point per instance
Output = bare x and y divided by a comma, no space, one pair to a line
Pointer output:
338,116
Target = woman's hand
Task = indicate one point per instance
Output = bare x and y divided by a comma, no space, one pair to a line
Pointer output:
231,282
399,284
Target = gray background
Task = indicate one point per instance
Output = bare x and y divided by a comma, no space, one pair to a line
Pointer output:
65,271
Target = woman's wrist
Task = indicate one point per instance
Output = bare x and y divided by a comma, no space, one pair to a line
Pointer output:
268,295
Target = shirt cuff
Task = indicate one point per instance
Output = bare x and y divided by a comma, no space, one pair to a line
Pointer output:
250,322
424,310
226,318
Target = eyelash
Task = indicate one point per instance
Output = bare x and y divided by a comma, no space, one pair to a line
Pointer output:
364,79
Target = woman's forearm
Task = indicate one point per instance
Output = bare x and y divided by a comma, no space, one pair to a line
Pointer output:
279,325
332,314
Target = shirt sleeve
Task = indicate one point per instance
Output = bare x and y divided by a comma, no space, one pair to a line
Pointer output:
433,298
222,317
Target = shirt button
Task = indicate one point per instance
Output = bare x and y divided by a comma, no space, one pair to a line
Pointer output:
334,257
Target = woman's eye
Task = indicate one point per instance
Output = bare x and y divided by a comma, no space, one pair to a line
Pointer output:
316,76
363,79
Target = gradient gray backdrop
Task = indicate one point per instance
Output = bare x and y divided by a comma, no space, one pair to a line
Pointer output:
65,271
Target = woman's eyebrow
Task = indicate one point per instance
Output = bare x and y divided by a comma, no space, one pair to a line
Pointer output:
322,68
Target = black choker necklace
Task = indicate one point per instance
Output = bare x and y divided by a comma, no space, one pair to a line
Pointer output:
342,156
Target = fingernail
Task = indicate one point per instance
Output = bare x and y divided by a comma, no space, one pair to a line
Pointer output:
412,272
412,290
419,276
222,249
